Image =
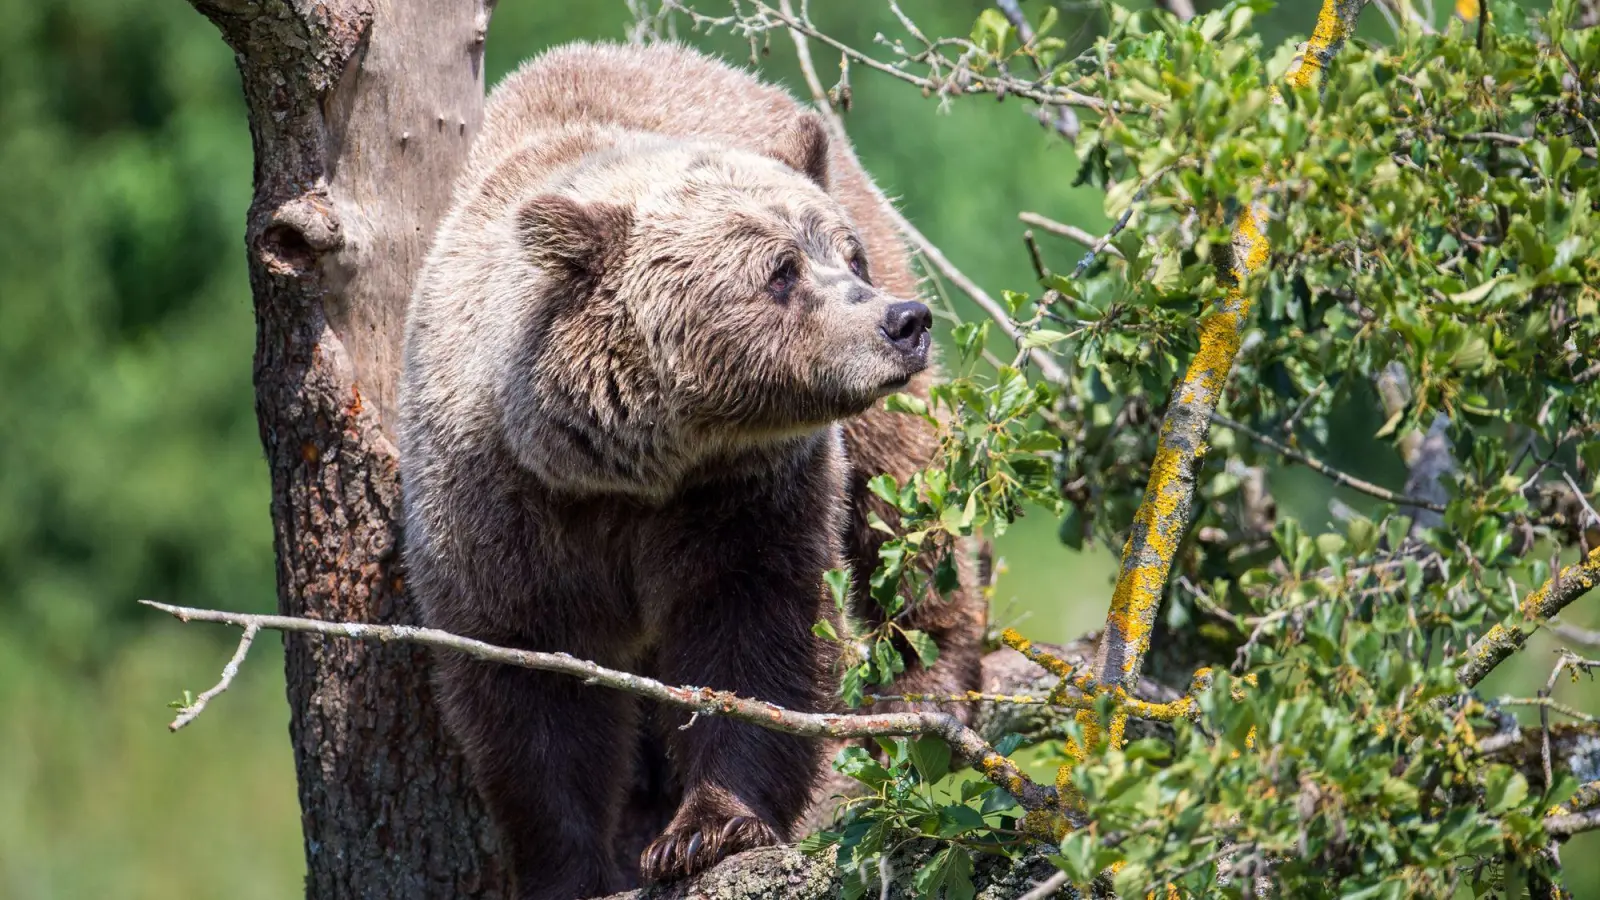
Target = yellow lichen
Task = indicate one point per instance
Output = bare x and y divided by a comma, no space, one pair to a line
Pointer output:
1334,24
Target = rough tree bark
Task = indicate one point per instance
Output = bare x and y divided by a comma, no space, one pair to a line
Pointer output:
361,112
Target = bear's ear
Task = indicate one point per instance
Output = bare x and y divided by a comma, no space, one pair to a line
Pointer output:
579,238
803,146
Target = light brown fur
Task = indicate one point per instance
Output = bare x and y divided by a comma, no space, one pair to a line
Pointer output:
621,439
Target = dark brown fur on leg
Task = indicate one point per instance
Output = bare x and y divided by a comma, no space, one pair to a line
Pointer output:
740,601
558,825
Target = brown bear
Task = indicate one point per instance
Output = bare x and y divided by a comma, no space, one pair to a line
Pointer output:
640,407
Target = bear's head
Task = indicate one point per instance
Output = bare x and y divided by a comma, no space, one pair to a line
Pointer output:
704,299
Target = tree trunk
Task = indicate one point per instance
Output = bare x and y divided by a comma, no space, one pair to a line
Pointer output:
361,113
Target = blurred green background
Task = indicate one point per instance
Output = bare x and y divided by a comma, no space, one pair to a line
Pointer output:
130,464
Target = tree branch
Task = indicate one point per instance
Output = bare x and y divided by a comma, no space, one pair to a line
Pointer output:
192,711
1071,232
1508,637
1183,9
1569,824
964,742
960,81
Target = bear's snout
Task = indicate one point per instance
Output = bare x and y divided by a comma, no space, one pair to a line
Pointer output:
906,326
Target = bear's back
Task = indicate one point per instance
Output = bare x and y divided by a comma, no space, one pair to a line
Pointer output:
664,89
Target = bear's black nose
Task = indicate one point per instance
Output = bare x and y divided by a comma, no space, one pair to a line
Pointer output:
906,326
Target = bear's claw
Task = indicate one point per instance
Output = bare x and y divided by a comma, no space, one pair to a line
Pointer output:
694,847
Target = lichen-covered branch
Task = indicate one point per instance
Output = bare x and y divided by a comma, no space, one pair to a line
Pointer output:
1164,513
1568,824
965,743
1508,637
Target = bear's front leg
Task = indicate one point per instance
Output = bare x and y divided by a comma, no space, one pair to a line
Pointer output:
740,610
550,756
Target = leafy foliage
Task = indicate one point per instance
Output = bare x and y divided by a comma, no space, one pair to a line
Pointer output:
1434,212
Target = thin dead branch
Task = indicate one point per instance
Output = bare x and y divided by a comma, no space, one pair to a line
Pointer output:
965,743
189,713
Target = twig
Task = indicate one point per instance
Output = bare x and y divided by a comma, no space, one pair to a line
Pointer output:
1046,888
964,742
1573,633
1183,9
191,712
1322,468
968,697
1065,122
1567,658
1071,232
1578,493
1034,256
1048,367
1041,91
1099,246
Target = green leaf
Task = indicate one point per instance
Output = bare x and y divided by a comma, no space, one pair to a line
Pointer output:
990,30
906,403
931,757
1504,789
838,581
949,873
927,651
824,629
857,763
887,490
955,821
852,685
812,844
1042,337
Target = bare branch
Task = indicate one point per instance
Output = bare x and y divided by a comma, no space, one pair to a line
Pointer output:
1585,636
1064,121
1183,9
189,713
1047,887
1071,232
1322,468
959,80
965,743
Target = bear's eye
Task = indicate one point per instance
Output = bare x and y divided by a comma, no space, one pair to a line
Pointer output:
783,279
858,265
